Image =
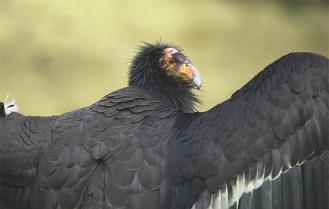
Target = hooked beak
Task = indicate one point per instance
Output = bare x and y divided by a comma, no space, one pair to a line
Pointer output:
196,78
190,73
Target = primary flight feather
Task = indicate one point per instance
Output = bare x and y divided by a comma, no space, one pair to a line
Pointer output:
146,147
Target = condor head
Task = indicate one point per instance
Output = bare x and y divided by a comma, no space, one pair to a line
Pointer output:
163,65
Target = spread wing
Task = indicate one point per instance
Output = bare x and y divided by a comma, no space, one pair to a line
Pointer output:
275,122
21,142
110,155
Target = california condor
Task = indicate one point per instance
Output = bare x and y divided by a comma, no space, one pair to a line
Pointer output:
146,147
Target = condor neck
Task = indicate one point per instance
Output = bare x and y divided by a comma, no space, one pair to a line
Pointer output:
179,97
182,99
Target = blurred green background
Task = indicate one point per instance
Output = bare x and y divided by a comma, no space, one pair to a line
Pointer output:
59,55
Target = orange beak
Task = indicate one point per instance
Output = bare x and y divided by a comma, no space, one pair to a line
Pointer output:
189,73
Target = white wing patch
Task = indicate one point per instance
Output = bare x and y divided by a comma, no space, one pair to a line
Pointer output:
231,192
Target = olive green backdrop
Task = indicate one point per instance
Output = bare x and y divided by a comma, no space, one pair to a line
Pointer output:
59,55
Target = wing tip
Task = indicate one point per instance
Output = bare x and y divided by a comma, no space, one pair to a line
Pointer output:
8,108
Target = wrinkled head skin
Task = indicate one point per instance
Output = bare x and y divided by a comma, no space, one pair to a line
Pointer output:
177,65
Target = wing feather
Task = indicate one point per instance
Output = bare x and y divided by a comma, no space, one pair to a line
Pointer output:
22,140
278,120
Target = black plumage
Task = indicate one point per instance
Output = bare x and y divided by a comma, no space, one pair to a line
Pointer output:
145,146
